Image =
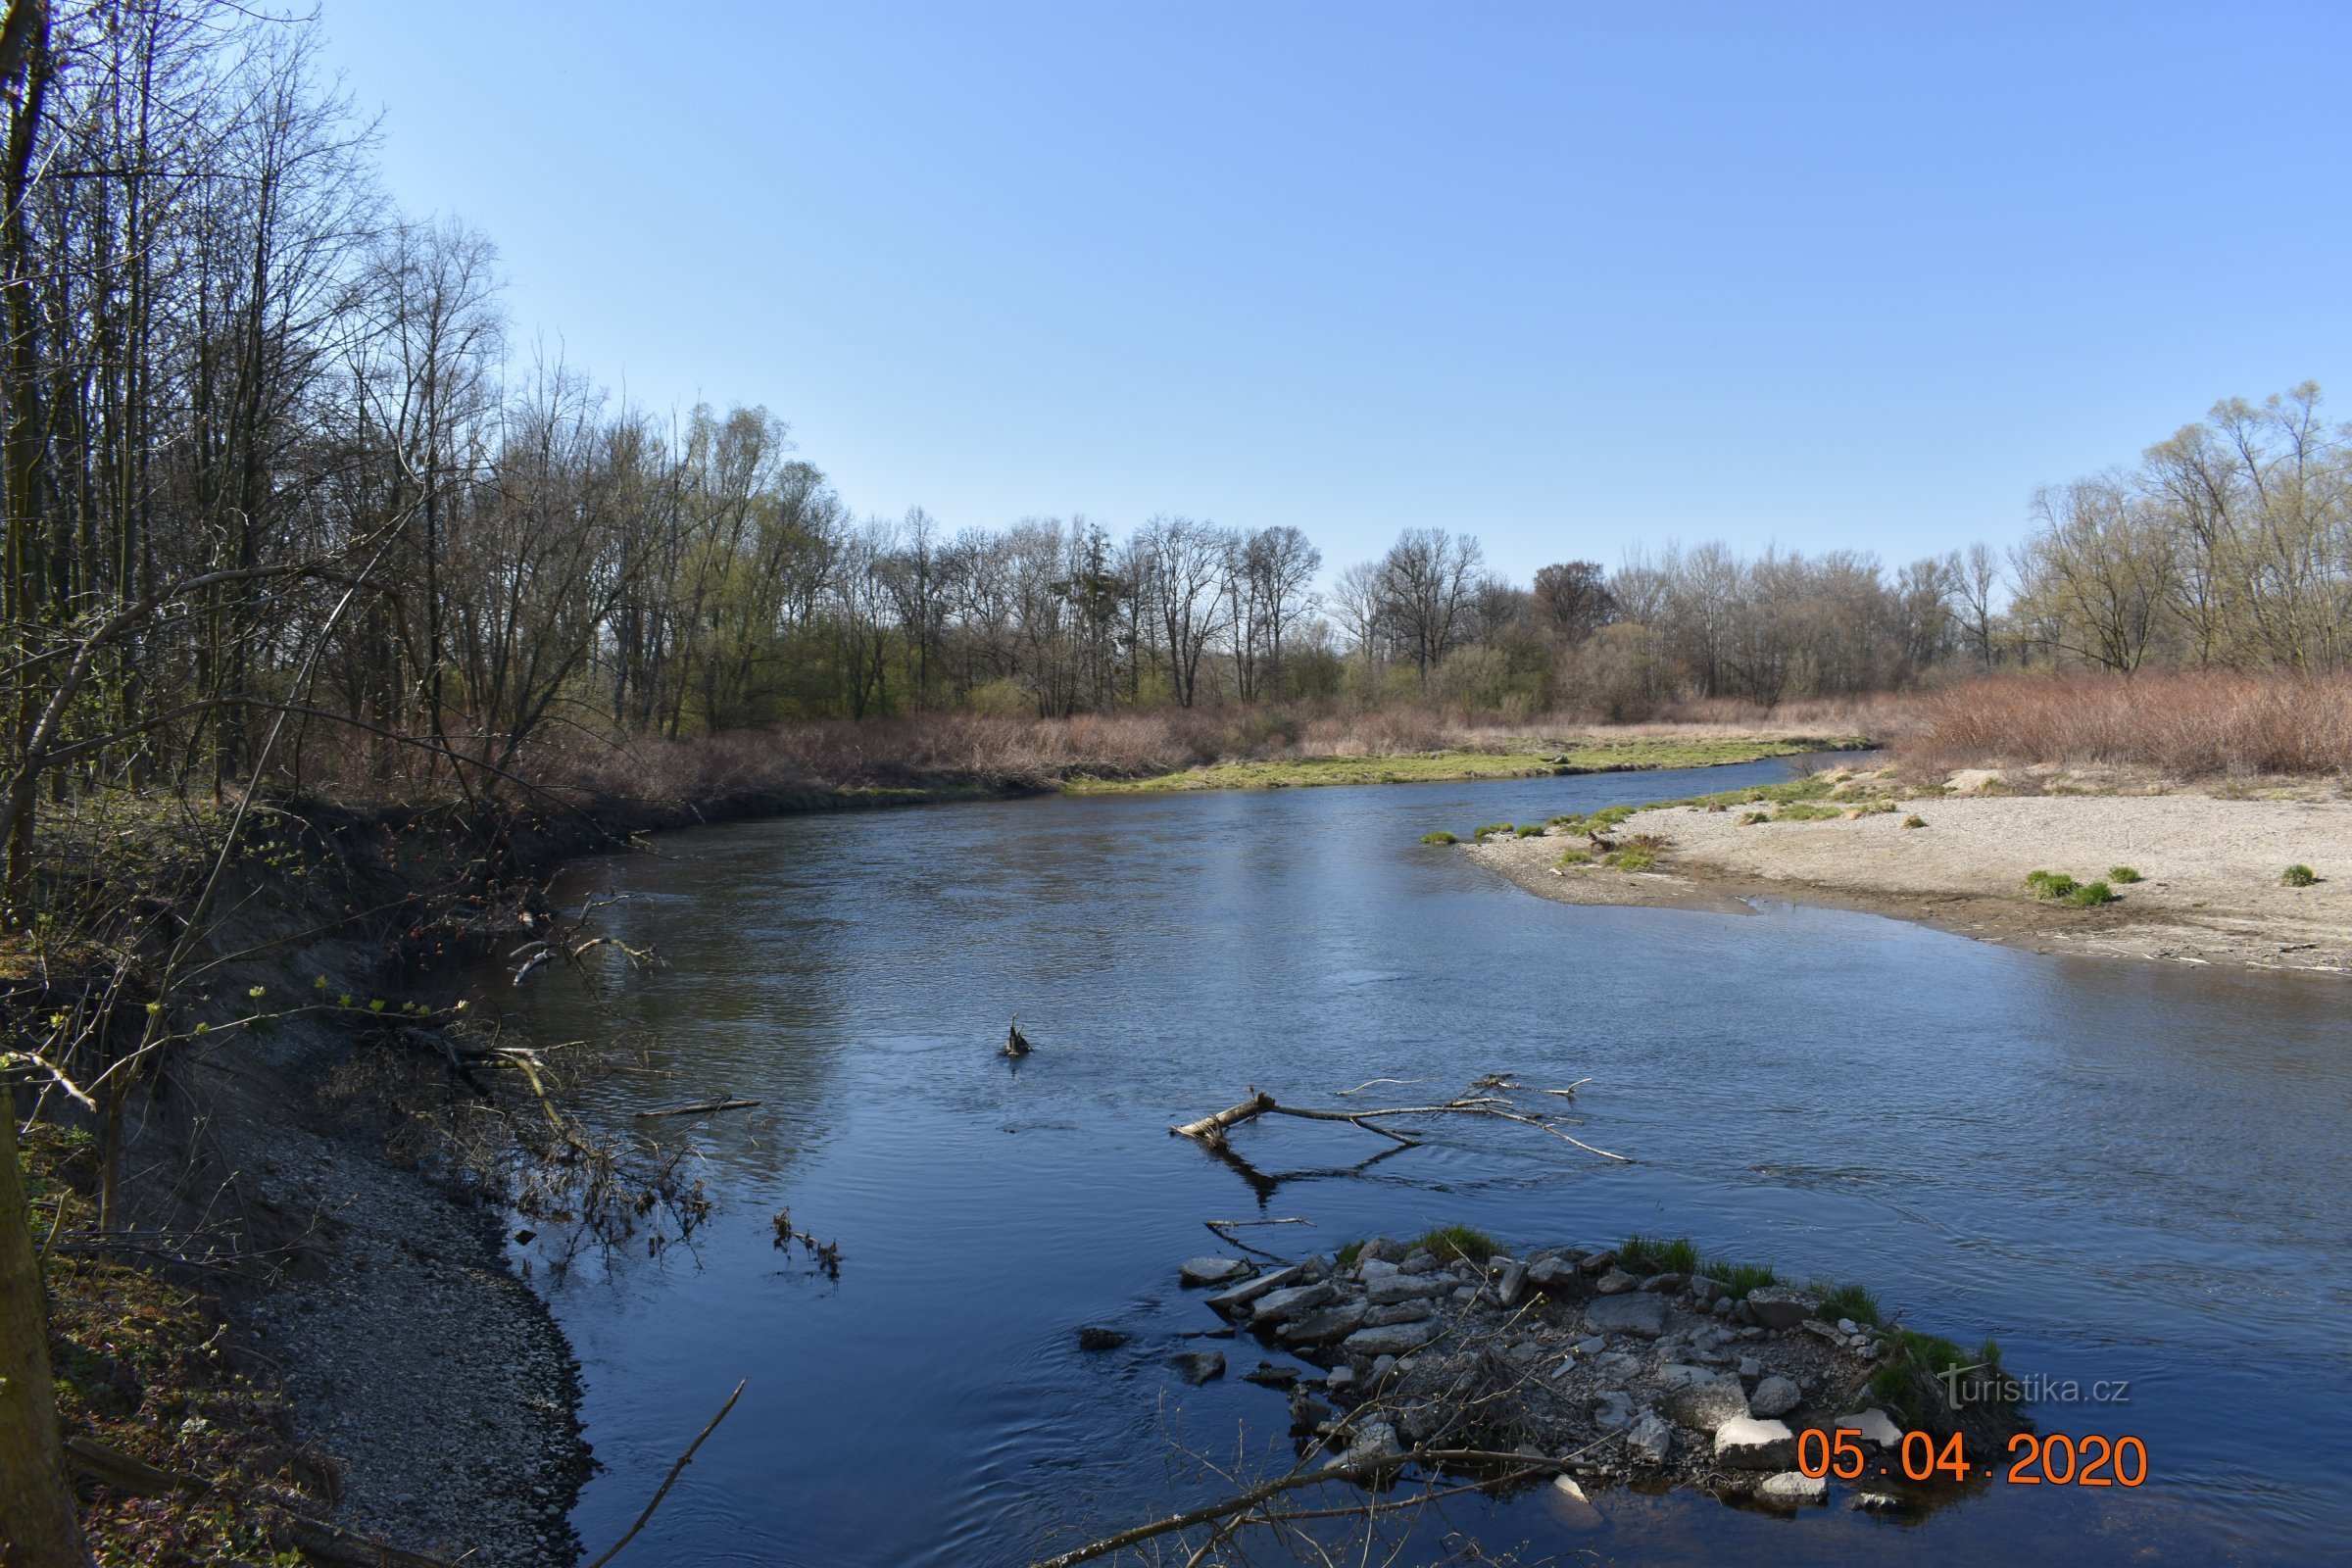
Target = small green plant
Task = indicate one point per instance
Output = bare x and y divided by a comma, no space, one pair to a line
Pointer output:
2299,876
2126,874
1848,1300
1441,836
1572,858
1531,830
1806,811
2090,894
1492,827
1915,820
1447,1242
1739,1277
1751,818
2051,884
1350,1254
1635,857
1910,1377
1659,1254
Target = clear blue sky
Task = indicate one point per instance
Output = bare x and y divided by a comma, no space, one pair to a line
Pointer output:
1566,276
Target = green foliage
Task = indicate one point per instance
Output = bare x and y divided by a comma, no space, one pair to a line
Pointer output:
2051,884
1848,1300
2124,873
1572,858
1448,1242
1635,857
1739,1277
2089,894
1348,1254
1753,818
1441,836
1530,831
1478,833
2299,876
1907,1377
1805,812
1915,820
1659,1254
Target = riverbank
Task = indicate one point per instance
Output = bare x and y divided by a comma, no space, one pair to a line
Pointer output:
2211,863
1519,756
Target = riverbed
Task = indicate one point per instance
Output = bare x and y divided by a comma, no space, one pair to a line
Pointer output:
2127,1173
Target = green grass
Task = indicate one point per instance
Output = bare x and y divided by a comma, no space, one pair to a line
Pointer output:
1481,831
1530,830
1574,857
1915,820
1659,1254
1441,836
2051,884
2126,874
1848,1300
1348,1254
2090,894
1739,1277
1527,757
1806,811
1447,1242
1907,1378
2299,876
1635,857
1753,818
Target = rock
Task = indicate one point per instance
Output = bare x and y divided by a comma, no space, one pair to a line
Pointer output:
1391,1339
1679,1375
1881,1502
1231,1302
1510,1283
1383,1250
1617,1365
1199,1366
1774,1397
1213,1270
1750,1369
1746,1444
1650,1442
1597,1262
1323,1326
1824,1331
1373,1268
1705,1406
1666,1284
1845,1325
1340,1380
1644,1316
1551,1273
1566,1503
1293,1301
1592,1345
1420,1260
1388,1289
1780,1307
1369,1445
1723,1307
1616,1282
1612,1412
1396,1312
1792,1487
1384,1366
1874,1427
1267,1375
1308,1413
1095,1336
1707,1290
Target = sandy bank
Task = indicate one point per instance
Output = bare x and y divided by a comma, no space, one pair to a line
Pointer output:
2212,895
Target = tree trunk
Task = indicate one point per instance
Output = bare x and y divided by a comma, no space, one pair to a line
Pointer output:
38,1527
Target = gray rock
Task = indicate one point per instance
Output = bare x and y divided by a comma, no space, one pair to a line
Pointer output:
1881,1502
1420,1260
1370,1444
1231,1302
1373,1268
1384,1289
1845,1325
1666,1284
1775,1396
1267,1375
1199,1366
1551,1273
1395,1312
1707,1288
1780,1307
1291,1302
1613,1412
1510,1283
1705,1406
1597,1262
1649,1441
1791,1489
1383,1250
1644,1316
1213,1270
1616,1366
1326,1325
1391,1339
1592,1346
1722,1307
1095,1336
1681,1375
1616,1282
1750,1368
1746,1444
1874,1426
1566,1503
1340,1381
1307,1413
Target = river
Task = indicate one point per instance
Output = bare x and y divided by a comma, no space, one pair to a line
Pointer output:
2125,1172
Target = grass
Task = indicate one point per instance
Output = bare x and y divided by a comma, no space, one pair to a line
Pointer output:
1907,1378
1851,1301
1635,857
1441,836
1448,1242
1753,818
1915,820
1478,833
1806,811
2299,876
1655,1254
1531,830
1347,1255
2059,888
1572,857
2126,874
1515,757
1739,1277
2091,894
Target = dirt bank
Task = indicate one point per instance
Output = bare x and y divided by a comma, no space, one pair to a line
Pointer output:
2211,861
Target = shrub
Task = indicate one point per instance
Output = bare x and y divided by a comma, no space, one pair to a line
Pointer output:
2051,884
1458,1241
2192,724
1657,1254
1848,1300
1915,820
2299,876
1481,832
2089,894
1441,836
1531,831
2124,873
1572,858
1635,857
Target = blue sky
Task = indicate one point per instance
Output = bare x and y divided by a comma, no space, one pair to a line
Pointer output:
1569,277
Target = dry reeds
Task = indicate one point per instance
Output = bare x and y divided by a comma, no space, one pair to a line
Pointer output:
2188,724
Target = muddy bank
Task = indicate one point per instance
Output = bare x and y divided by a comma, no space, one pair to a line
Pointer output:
2210,865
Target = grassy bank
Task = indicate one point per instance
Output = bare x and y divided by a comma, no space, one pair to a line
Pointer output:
1529,756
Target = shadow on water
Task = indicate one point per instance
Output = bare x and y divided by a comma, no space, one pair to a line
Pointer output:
2125,1172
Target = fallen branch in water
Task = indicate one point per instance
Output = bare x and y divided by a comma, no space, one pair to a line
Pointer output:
662,1490
1223,1229
1210,1130
703,1110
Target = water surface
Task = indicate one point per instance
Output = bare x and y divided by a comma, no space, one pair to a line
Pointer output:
2122,1170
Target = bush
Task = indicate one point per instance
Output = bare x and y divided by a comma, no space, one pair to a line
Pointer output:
1531,831
2124,873
2091,893
1574,857
2193,724
2051,884
1635,857
1481,832
1849,1300
1441,836
1656,1254
1447,1242
1915,820
2299,876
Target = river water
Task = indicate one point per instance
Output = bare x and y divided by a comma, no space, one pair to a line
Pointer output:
2125,1172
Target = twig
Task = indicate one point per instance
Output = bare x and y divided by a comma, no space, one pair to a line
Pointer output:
662,1490
702,1109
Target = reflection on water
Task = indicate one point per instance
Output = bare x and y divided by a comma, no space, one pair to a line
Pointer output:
2120,1170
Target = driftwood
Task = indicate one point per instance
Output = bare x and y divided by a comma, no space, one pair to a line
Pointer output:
684,1459
1495,1101
702,1109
